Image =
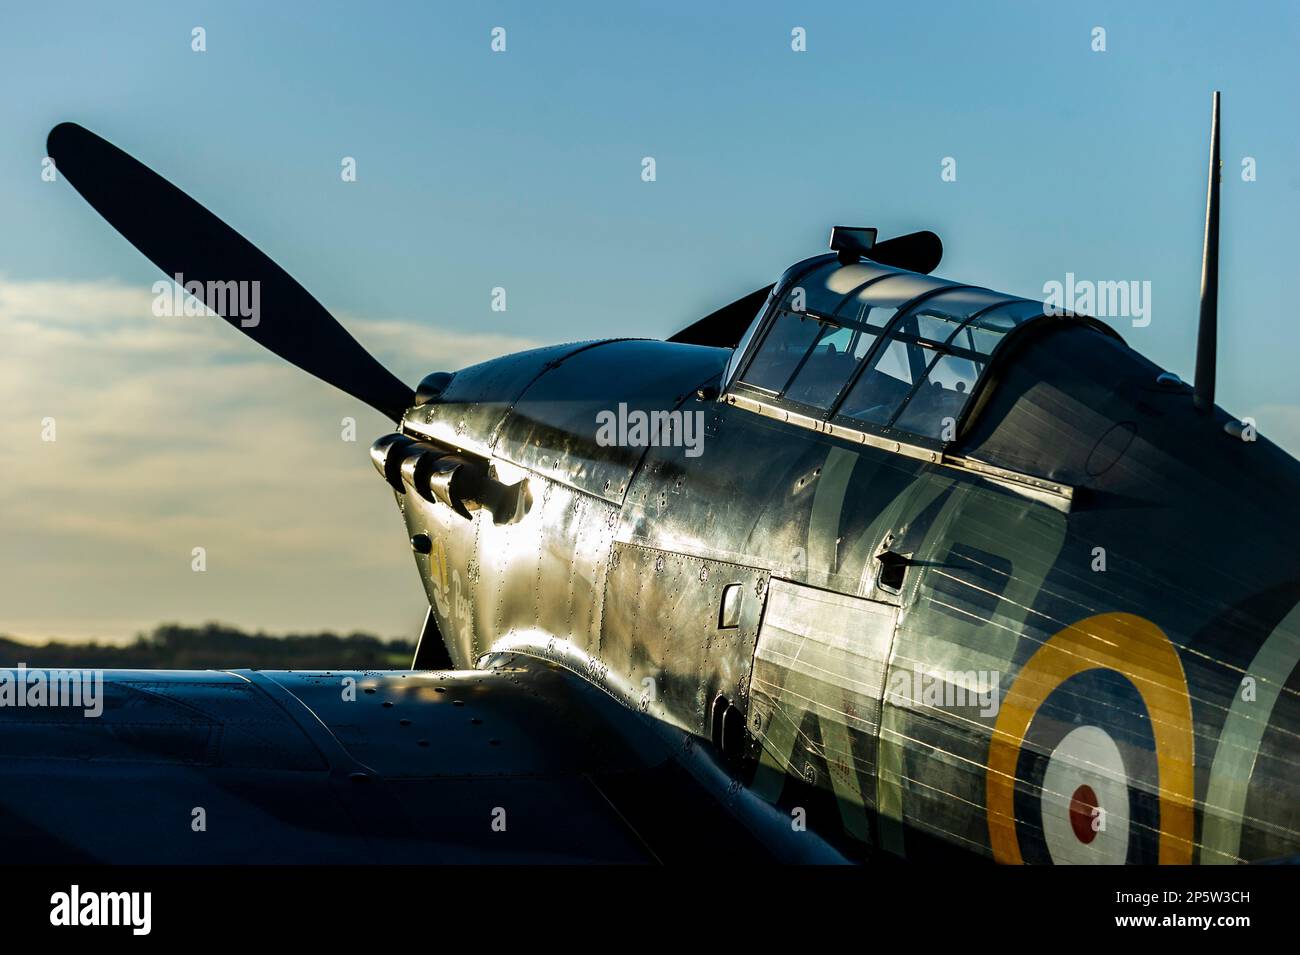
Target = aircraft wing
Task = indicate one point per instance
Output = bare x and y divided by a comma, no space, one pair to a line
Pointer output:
523,763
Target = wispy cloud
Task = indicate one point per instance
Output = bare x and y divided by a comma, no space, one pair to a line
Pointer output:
175,433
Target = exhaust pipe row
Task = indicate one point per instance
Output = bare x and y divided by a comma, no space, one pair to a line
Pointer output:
461,482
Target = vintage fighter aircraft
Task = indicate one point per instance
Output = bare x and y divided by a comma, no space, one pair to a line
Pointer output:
867,565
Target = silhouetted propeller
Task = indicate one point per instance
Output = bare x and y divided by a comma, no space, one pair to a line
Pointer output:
725,327
181,237
916,252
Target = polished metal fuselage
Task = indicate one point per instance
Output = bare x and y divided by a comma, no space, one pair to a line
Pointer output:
1137,591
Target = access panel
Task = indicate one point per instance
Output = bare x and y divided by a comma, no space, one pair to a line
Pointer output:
819,675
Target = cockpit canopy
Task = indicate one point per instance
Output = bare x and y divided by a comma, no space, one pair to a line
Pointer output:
873,348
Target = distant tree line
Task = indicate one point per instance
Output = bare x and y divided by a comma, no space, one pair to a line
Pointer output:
217,646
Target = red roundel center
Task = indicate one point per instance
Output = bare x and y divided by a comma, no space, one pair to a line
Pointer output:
1083,810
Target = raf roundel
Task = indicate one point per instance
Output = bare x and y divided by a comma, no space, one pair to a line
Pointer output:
1086,793
1085,800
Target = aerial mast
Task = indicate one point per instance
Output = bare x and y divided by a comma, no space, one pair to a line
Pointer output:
1208,329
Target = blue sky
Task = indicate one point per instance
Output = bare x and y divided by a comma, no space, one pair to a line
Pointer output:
522,170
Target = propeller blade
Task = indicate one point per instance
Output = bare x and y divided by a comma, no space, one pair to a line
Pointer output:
725,327
916,252
182,238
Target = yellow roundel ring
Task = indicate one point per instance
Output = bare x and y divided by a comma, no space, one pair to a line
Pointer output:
1136,649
